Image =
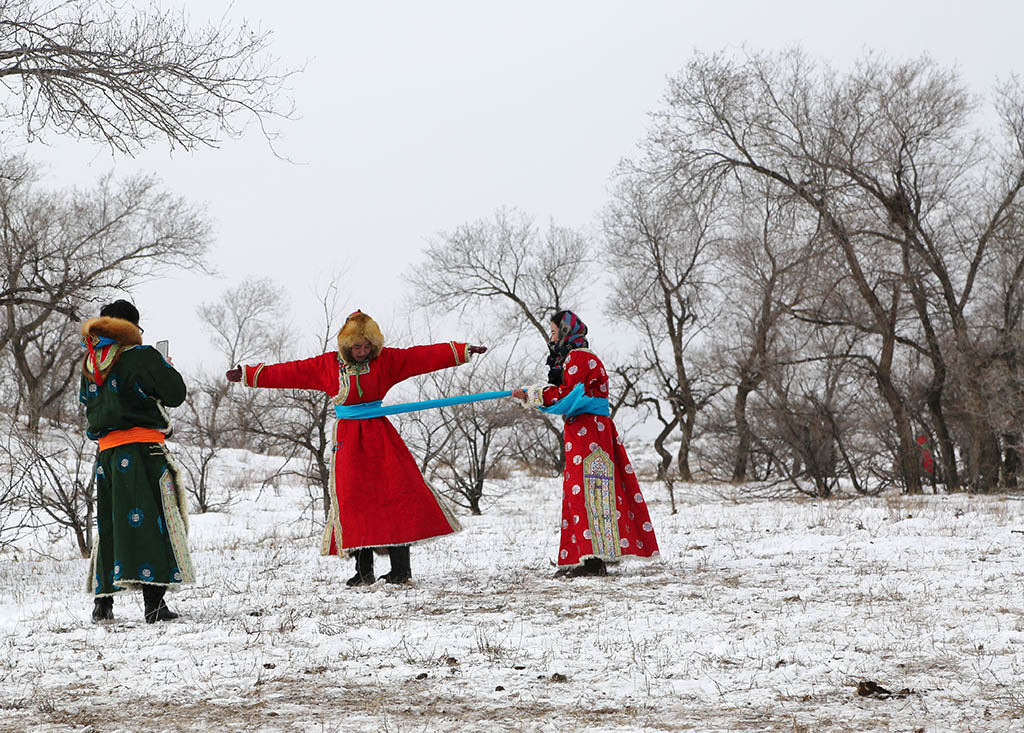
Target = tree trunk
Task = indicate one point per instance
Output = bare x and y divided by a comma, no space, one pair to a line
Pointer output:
907,456
90,505
683,459
82,538
944,441
1011,459
320,458
474,501
659,447
990,460
742,457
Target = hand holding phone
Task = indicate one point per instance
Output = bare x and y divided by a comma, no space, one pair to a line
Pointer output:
164,348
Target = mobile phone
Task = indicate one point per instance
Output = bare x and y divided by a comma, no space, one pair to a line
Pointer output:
163,347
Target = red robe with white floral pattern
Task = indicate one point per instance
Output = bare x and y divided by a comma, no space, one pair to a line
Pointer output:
380,496
603,511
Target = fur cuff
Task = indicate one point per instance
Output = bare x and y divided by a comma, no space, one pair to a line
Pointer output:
535,395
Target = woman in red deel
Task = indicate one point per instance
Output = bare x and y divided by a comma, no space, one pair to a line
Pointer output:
380,499
604,515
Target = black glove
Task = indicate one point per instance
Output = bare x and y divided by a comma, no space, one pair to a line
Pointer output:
234,375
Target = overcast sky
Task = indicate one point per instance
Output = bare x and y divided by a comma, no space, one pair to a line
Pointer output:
418,116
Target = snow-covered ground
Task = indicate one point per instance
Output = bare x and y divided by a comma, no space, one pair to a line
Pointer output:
758,616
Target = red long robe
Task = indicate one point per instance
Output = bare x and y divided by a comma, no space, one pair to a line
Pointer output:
603,511
380,496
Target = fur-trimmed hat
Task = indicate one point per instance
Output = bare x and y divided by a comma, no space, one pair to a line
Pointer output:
103,338
359,326
120,330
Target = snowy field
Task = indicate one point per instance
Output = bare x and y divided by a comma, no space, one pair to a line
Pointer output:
758,616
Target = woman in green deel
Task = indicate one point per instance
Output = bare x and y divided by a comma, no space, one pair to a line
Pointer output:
141,510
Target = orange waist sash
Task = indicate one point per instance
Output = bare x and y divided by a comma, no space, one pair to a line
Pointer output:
132,435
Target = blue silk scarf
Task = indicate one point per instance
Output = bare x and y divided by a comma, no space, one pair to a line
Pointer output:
574,403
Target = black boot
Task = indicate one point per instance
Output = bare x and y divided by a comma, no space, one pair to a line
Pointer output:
364,568
164,613
103,609
401,572
156,609
590,566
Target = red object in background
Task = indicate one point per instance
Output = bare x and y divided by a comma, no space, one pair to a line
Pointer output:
926,455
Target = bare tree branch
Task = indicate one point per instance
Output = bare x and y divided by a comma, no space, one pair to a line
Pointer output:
99,70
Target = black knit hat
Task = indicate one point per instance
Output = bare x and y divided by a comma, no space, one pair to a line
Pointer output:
121,309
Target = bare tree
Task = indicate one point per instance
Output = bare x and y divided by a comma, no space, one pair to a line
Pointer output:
907,193
297,422
105,71
761,266
460,447
536,444
244,322
506,262
15,515
809,418
659,242
47,362
204,432
1003,297
62,251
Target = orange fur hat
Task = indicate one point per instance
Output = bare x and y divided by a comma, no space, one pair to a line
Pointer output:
122,331
359,326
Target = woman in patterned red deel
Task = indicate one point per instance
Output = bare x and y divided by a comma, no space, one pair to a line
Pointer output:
604,515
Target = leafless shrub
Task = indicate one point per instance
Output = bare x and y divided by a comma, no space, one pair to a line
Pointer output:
15,518
56,477
469,444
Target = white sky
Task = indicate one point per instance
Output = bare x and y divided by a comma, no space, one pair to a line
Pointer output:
417,117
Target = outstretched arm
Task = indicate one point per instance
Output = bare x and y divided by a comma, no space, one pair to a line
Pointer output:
405,363
318,372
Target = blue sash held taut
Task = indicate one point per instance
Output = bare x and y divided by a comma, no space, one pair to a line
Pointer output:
574,403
